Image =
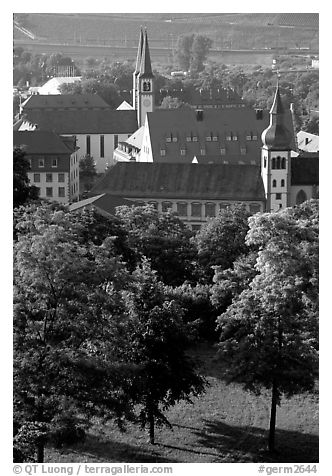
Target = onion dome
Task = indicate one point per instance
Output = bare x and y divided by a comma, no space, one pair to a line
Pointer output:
276,136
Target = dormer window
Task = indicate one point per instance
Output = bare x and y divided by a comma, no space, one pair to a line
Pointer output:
234,137
228,137
248,137
254,137
208,138
194,138
188,138
162,152
168,139
175,139
183,151
203,152
215,139
243,150
223,151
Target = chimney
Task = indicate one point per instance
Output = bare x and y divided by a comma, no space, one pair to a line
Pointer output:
199,115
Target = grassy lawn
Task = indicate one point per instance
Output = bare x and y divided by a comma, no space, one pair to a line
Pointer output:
225,425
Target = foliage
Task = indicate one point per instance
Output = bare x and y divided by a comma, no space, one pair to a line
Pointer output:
221,241
157,346
269,332
97,84
191,52
198,310
170,102
161,237
22,191
65,307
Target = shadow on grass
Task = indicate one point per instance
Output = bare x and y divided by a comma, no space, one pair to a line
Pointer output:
97,450
250,443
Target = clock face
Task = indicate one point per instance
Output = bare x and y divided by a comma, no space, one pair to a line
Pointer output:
146,102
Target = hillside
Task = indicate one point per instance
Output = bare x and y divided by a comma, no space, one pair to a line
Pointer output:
247,30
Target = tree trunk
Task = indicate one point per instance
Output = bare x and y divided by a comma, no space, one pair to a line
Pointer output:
40,452
151,426
273,415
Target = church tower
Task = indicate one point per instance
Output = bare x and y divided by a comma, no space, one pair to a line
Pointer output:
276,158
136,72
144,82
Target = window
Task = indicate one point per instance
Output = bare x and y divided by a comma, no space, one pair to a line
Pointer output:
215,139
278,196
248,137
223,206
301,197
273,163
166,206
88,145
194,139
36,177
154,204
202,151
38,191
274,183
282,184
264,162
223,151
243,151
278,162
54,162
196,209
162,152
61,177
102,146
182,208
208,138
183,151
115,140
234,138
228,138
61,191
254,138
175,139
254,207
283,163
210,209
188,139
49,192
168,139
41,162
49,178
196,227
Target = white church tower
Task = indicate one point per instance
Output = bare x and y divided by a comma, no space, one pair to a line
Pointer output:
143,81
276,158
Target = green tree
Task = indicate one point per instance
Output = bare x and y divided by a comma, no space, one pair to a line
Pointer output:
183,51
269,333
163,239
222,240
22,191
66,305
200,49
157,340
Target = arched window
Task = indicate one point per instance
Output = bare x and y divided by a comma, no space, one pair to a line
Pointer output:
278,162
283,163
282,183
274,183
273,163
301,197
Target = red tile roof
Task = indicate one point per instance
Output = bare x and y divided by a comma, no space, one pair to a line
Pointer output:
216,122
77,101
191,181
43,142
85,122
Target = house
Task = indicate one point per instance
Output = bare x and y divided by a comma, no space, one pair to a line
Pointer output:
307,142
197,191
98,131
53,85
54,164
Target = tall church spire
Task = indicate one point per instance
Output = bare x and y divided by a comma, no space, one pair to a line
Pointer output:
139,53
145,68
276,136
